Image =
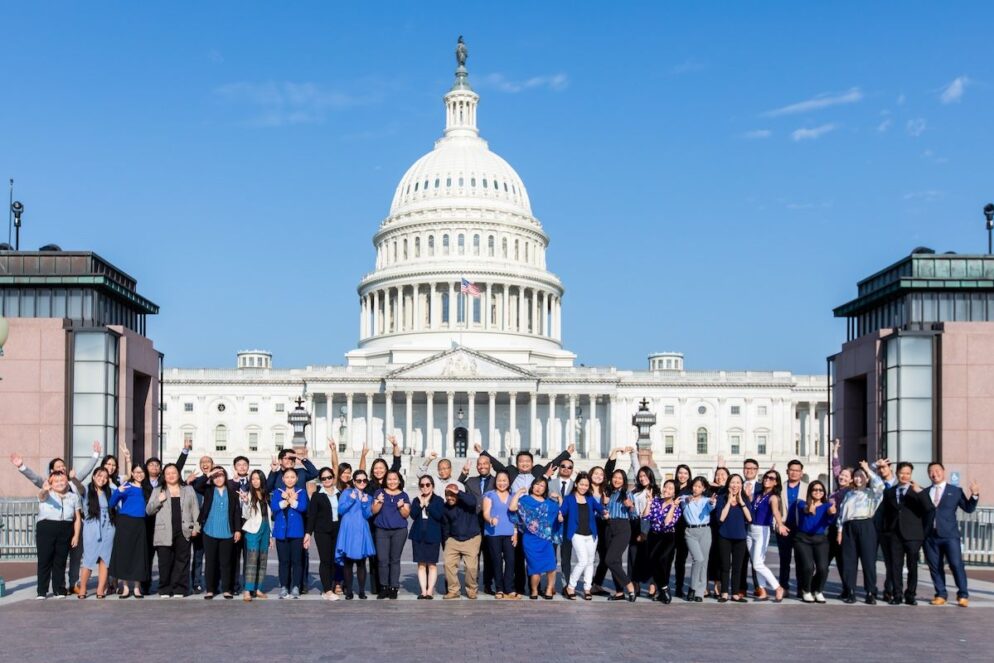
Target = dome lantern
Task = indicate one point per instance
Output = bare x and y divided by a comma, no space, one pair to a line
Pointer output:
461,101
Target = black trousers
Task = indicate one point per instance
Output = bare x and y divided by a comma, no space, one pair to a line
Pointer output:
732,552
75,560
601,571
360,573
150,546
501,554
903,553
662,549
681,554
218,563
374,568
488,565
197,565
785,548
290,553
519,568
53,539
859,545
619,533
389,548
174,567
812,561
565,552
835,550
305,569
714,558
885,543
325,542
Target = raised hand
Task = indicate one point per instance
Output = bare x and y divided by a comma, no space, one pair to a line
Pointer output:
331,443
16,460
72,474
302,454
864,465
477,447
392,439
974,488
97,447
126,453
47,485
571,449
188,444
433,455
162,496
274,465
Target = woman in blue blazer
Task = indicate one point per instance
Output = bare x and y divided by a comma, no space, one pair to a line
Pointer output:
426,534
289,508
580,514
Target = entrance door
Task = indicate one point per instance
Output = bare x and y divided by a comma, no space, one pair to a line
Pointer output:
461,441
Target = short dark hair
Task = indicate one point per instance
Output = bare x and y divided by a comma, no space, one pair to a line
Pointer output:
750,460
284,453
523,453
702,480
905,464
153,459
51,464
238,458
322,471
795,462
934,463
400,479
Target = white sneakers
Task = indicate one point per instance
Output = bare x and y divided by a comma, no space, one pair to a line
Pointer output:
808,597
819,597
330,596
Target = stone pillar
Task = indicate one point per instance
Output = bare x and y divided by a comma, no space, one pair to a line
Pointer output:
533,439
418,311
362,318
521,326
810,432
387,418
348,420
536,328
376,313
551,446
408,424
329,418
571,436
447,446
492,423
471,438
612,425
485,306
433,313
430,421
593,439
401,322
369,419
512,424
504,317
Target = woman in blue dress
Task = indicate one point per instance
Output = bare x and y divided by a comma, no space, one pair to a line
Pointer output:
355,543
98,532
539,522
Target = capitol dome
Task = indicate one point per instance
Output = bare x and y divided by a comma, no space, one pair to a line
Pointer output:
459,258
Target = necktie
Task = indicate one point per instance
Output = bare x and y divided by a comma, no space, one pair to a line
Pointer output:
900,495
562,491
483,485
936,496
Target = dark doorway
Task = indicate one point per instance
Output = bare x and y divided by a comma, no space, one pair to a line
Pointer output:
461,437
143,384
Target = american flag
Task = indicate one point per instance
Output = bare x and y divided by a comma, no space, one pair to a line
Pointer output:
469,288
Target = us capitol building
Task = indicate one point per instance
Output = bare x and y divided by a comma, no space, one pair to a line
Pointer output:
442,370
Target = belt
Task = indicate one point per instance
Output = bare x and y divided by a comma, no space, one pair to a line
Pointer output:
696,526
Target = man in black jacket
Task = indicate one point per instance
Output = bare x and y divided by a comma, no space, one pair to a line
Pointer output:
461,532
479,486
903,516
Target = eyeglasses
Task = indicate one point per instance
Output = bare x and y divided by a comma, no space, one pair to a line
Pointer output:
566,467
817,490
360,481
327,478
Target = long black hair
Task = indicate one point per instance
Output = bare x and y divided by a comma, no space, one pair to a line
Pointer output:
258,497
608,487
93,497
652,487
676,476
117,469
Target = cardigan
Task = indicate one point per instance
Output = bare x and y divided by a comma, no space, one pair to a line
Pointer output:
571,510
163,512
234,508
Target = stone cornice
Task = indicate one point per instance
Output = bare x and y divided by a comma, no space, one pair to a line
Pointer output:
393,276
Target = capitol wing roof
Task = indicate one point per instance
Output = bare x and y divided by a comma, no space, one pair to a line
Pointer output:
461,363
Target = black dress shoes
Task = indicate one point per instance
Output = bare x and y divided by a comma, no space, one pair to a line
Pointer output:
871,599
690,596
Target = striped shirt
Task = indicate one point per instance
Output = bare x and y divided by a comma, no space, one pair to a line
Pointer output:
862,503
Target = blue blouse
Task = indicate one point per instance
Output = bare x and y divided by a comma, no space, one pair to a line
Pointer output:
814,523
217,525
131,500
734,527
498,510
616,505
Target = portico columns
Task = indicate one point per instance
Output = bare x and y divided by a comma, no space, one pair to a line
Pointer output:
348,418
511,420
430,422
451,396
492,423
571,438
388,418
471,436
550,429
369,418
533,438
408,428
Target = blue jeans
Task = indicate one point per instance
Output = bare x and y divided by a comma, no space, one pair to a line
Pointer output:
291,556
936,550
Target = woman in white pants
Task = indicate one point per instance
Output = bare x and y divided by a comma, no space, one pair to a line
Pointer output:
765,516
580,513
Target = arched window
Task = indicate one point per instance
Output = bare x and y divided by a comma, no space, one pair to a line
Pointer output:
394,253
517,251
405,249
448,182
437,182
702,440
484,182
221,438
472,181
431,245
476,245
417,247
490,246
445,245
527,246
415,187
460,181
445,307
462,244
503,247
426,185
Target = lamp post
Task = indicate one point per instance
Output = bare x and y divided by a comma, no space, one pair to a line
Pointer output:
643,420
989,215
17,207
343,430
299,419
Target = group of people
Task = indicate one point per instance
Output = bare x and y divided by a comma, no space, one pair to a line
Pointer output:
529,523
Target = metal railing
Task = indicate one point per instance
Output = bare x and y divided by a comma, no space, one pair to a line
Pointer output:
17,527
17,531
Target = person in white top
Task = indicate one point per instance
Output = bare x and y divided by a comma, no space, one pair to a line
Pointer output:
255,511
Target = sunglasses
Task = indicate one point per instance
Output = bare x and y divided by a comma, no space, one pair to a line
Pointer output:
361,481
769,478
424,485
566,467
327,478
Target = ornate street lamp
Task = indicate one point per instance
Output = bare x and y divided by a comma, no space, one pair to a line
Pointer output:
299,419
17,208
343,430
989,215
643,420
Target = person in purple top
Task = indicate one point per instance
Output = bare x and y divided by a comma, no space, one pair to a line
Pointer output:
391,507
663,514
766,518
734,515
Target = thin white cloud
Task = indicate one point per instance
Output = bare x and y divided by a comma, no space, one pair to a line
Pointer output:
686,67
933,157
501,83
916,127
284,103
953,92
757,134
885,125
812,134
927,196
824,100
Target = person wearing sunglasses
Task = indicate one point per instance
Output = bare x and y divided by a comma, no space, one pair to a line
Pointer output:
766,518
355,542
322,529
858,533
427,511
813,515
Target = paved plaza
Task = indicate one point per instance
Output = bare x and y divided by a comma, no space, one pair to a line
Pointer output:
485,629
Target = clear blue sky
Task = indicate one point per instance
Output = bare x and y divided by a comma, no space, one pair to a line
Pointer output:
715,177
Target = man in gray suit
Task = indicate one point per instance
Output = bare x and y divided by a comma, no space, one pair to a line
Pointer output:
478,486
561,485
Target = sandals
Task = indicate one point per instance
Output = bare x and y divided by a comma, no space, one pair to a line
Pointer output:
533,597
568,595
587,596
81,595
499,596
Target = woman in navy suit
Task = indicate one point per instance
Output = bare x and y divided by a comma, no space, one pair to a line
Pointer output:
427,510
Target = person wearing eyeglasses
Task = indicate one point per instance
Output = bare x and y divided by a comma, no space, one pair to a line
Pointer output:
858,533
57,531
813,516
561,485
322,529
355,542
427,512
766,519
129,557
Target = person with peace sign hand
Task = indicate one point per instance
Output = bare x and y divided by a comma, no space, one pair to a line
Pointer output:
391,507
355,543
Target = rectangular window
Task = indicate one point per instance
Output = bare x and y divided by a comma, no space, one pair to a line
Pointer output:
669,410
188,407
253,441
94,393
761,410
187,437
761,445
280,407
736,409
736,444
253,407
668,444
278,441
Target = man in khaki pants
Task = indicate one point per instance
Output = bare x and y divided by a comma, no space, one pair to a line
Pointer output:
461,533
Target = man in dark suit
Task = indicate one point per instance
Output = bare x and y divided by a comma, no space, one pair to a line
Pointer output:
560,486
902,521
942,539
478,486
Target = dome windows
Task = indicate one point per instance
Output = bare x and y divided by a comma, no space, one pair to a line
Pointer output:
505,187
415,187
462,244
490,246
417,247
472,181
437,182
476,245
431,246
448,182
484,182
460,181
445,245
